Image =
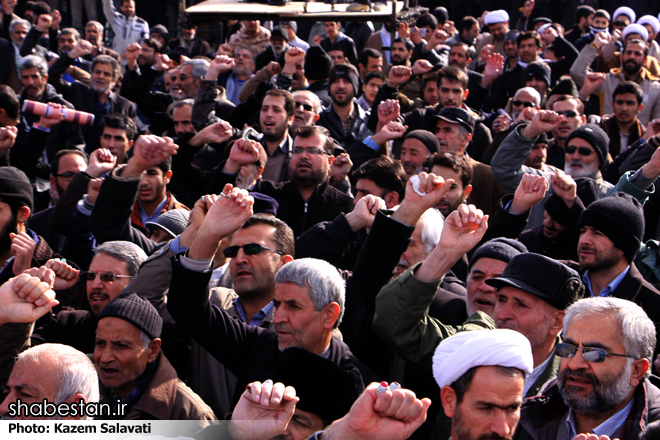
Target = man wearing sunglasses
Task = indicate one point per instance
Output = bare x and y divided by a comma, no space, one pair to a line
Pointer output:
603,385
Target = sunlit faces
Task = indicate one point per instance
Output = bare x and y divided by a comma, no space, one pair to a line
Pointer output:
115,140
182,119
243,62
632,58
498,30
458,56
103,78
400,54
309,170
337,56
413,155
296,322
31,382
371,88
273,119
120,355
66,42
430,93
537,155
68,165
100,293
481,296
596,251
451,93
528,50
341,91
18,34
567,124
332,29
456,195
511,49
415,253
450,138
626,107
304,112
577,164
33,82
127,8
147,55
153,184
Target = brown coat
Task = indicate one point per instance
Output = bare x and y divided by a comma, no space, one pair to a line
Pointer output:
167,398
486,190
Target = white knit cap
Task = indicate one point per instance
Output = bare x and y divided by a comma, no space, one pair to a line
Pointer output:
478,348
625,10
499,16
635,29
651,21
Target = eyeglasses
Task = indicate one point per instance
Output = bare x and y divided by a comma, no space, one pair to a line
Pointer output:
307,107
582,151
66,176
526,104
248,249
568,113
311,150
589,354
106,277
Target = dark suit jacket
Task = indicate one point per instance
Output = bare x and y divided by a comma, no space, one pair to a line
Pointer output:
486,190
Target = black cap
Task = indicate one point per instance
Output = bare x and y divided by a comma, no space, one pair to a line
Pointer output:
597,137
279,32
455,115
512,35
543,20
160,30
548,279
347,72
264,204
427,138
138,311
503,249
565,87
310,374
538,71
15,187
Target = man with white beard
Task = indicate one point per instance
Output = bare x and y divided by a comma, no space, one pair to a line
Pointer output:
603,389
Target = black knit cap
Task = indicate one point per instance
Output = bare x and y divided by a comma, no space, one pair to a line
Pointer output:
538,71
317,63
15,187
565,87
349,73
621,218
160,30
279,31
310,375
138,311
597,137
548,279
427,138
503,249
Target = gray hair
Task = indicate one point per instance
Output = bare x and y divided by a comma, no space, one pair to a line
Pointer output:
532,91
199,67
636,330
310,95
77,374
31,61
72,31
176,104
432,223
125,251
18,21
96,24
108,61
322,278
254,60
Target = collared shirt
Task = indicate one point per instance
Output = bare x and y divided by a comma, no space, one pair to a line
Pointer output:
157,212
607,291
258,318
347,125
610,427
234,86
535,374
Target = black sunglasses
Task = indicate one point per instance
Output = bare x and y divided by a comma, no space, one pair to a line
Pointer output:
106,277
526,104
568,113
582,151
589,354
248,249
307,107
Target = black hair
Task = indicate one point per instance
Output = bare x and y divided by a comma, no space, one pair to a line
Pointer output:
453,74
55,164
367,53
121,121
283,236
457,162
629,87
9,102
385,172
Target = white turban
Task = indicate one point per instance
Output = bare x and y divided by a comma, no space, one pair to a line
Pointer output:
635,29
651,21
624,10
501,347
499,16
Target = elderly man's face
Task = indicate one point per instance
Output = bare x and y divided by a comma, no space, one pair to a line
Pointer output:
100,293
413,155
65,42
103,79
490,408
304,113
537,156
93,35
31,382
527,314
120,355
185,84
595,388
481,296
18,34
524,99
415,253
244,65
296,322
450,137
581,159
33,82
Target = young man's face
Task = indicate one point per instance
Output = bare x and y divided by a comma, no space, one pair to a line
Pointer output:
337,57
528,50
499,30
600,22
153,185
273,118
68,166
626,107
66,42
456,195
370,89
128,8
430,93
332,28
451,93
400,54
182,119
147,55
115,140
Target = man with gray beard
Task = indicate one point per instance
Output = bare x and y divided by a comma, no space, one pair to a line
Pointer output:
603,385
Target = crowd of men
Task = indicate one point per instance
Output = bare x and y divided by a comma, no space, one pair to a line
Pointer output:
444,228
